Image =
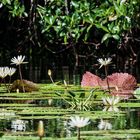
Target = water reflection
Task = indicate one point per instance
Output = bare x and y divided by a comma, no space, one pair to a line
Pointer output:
18,125
111,108
58,127
104,125
67,129
6,113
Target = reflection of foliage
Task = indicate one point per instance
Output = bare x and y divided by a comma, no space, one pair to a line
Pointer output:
111,108
120,123
104,125
111,101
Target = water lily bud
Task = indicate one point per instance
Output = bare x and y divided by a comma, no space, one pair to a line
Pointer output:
49,72
17,90
50,101
40,131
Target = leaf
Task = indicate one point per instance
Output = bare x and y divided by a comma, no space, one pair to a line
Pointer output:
46,29
105,37
75,4
71,93
117,8
65,39
82,95
50,20
101,26
117,37
7,1
137,93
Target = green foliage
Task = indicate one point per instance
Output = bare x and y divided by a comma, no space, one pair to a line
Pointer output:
137,93
16,8
111,17
74,21
4,2
78,102
75,95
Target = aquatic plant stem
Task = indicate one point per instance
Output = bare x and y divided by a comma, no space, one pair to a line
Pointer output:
78,133
20,74
9,81
6,85
107,79
9,84
51,80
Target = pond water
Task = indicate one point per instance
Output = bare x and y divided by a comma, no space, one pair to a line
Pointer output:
20,114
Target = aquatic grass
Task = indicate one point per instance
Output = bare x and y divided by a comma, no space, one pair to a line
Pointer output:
131,104
33,138
15,105
37,111
132,134
46,87
79,102
40,117
51,113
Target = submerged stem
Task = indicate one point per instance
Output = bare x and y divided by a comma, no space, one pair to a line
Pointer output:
6,85
9,84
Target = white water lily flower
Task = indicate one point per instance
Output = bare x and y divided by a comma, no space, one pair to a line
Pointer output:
79,122
4,72
110,101
11,71
104,62
104,125
19,60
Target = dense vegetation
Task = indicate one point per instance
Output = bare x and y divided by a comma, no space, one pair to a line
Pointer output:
75,32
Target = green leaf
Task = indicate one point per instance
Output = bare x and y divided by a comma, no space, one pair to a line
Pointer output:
101,26
105,37
65,39
50,20
117,37
75,4
137,93
118,9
